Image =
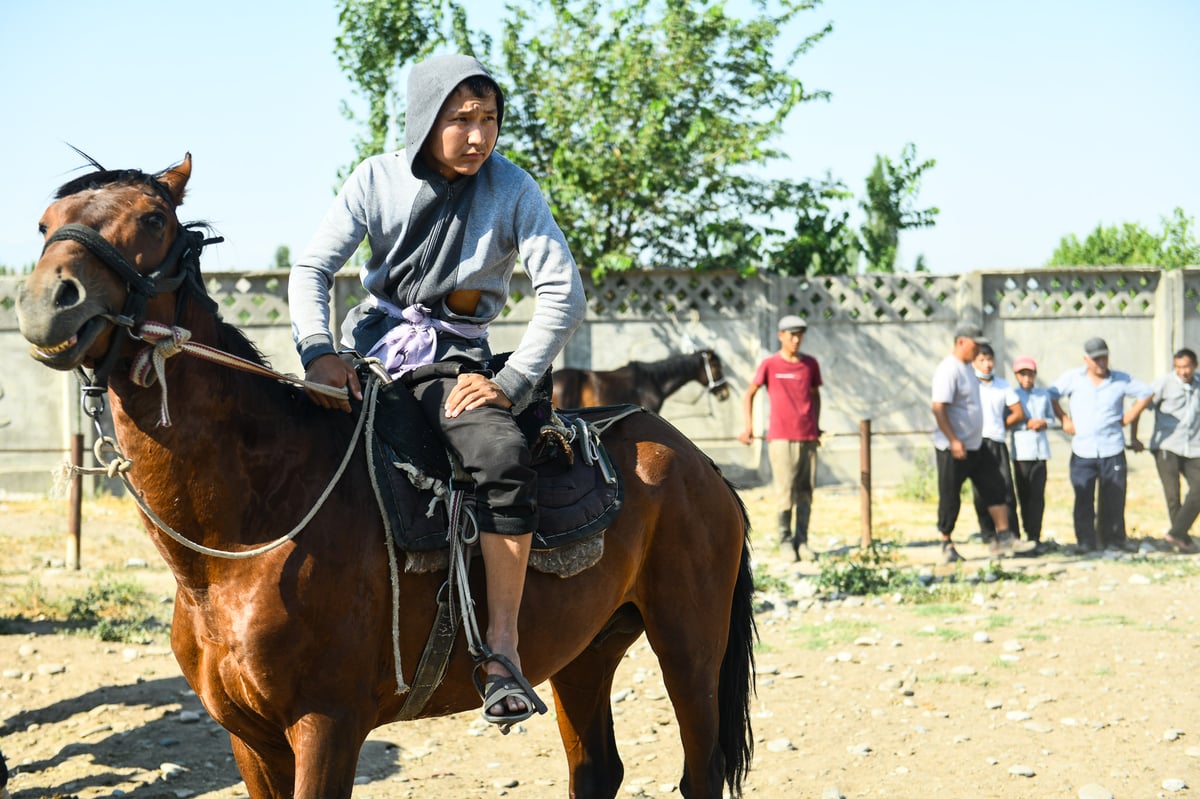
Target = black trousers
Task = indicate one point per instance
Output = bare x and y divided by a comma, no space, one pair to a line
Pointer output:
1029,477
1107,517
1170,468
952,473
493,451
997,452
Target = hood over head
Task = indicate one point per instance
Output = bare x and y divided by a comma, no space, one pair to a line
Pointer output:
429,84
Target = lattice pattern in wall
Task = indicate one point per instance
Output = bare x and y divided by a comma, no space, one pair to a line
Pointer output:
1191,294
8,303
657,294
1061,294
871,298
248,300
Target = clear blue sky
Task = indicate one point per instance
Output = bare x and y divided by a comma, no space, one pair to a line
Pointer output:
1045,117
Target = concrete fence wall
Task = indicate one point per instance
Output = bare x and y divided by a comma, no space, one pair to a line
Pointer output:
877,337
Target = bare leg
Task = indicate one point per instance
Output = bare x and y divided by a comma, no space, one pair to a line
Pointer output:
999,514
505,558
1004,540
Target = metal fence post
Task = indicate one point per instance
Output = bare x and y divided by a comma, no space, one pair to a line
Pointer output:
864,460
74,521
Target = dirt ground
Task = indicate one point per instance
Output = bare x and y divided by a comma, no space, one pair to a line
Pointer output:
1077,679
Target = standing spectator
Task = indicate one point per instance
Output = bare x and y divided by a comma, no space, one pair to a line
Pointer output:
1031,450
1175,443
1001,410
793,382
1096,423
958,441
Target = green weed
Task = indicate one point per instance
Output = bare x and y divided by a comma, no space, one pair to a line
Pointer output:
940,609
945,634
835,633
861,572
768,583
919,483
112,610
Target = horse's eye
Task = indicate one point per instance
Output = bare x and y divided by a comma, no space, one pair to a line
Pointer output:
155,221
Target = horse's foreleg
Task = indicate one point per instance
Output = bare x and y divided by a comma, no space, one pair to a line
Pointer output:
327,751
582,695
264,780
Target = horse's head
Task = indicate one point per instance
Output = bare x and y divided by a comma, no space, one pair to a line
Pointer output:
114,255
714,371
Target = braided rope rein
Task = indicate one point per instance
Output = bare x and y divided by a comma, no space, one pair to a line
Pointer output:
167,342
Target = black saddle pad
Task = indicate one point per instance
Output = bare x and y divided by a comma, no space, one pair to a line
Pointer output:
575,500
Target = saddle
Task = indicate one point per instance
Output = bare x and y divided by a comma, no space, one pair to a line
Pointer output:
579,490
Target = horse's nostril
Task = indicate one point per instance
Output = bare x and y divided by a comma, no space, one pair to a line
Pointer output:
67,294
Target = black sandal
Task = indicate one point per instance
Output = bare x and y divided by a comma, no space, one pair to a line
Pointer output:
496,688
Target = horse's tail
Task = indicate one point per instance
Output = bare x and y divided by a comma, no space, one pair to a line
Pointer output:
737,669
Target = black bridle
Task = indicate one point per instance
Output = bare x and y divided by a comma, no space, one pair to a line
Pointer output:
180,266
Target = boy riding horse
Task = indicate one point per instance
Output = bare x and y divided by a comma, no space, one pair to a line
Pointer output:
447,219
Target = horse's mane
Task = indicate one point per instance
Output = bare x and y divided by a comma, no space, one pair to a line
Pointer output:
231,339
107,177
675,366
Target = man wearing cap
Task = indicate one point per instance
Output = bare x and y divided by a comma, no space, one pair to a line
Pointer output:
1175,443
958,441
793,382
1096,396
1031,450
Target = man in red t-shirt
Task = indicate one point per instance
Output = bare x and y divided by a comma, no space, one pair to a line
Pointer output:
793,384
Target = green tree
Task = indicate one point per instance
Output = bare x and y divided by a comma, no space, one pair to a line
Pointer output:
821,241
283,257
648,125
890,207
1129,243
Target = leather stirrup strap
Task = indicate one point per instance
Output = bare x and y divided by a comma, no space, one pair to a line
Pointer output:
431,669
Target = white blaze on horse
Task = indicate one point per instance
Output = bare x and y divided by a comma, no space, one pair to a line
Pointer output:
291,647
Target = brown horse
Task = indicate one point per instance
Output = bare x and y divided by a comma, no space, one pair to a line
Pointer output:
292,650
640,383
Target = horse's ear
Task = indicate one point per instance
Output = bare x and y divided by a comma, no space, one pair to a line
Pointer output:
175,178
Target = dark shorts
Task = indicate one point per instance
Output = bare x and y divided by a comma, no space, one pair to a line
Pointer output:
981,468
493,451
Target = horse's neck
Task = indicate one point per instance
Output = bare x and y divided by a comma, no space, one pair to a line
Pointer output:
232,463
673,374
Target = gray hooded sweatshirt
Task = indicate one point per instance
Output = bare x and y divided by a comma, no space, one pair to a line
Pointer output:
429,237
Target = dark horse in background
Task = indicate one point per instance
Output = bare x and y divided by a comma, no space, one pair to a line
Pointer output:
639,382
291,650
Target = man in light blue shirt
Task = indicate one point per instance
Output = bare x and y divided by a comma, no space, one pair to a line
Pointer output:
1175,443
1031,450
1096,397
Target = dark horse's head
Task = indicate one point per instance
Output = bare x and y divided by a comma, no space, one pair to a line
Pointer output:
114,255
714,375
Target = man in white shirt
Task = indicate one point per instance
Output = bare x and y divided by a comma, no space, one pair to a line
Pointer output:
958,439
1001,410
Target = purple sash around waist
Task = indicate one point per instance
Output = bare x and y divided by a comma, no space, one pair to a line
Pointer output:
413,343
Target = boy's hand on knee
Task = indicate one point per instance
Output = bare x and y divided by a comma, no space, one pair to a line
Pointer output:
474,391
